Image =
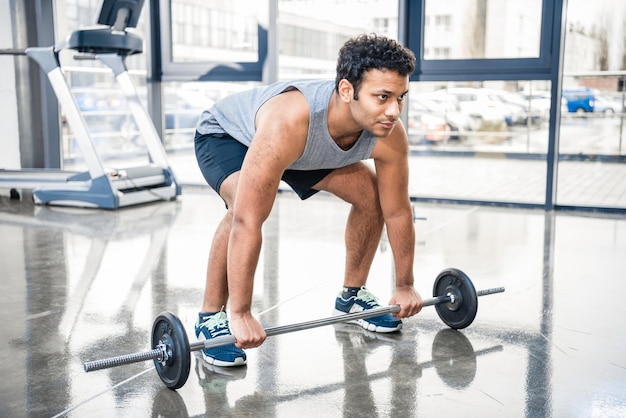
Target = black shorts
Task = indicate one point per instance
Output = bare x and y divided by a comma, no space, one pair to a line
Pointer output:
220,155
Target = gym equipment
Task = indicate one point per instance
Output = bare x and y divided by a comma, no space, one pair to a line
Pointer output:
457,306
98,187
461,310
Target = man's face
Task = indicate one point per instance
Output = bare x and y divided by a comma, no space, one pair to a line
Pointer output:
380,101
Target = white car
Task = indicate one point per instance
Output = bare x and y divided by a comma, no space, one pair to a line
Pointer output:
607,105
518,109
540,101
439,117
485,112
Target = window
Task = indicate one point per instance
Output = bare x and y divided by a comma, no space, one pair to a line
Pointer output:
213,40
481,39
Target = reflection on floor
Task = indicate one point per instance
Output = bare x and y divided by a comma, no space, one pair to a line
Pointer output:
81,285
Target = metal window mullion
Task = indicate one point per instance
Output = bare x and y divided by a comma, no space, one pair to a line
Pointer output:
558,50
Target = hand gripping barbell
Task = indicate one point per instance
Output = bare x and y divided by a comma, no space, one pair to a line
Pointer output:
455,300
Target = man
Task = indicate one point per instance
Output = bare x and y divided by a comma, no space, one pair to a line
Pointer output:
314,135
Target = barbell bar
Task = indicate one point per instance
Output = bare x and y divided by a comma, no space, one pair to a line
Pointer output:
455,300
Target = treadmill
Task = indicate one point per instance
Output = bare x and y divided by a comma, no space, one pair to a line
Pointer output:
99,187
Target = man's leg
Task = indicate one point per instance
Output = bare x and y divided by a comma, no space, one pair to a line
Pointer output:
216,287
219,159
356,184
212,320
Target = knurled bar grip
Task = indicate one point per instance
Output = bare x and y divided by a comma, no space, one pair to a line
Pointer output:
491,291
157,353
91,366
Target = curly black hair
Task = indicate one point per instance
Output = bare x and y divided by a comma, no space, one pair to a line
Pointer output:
365,52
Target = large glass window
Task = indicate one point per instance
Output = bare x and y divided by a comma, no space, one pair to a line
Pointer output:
215,31
480,116
483,141
309,35
592,170
212,40
472,29
510,41
484,136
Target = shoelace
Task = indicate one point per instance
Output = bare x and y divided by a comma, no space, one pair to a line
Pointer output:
217,325
367,297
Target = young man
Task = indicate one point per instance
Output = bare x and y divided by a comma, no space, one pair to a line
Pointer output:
312,134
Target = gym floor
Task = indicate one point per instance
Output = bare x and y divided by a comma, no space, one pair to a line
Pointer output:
82,284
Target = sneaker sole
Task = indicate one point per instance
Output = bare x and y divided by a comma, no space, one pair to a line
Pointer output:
368,326
238,361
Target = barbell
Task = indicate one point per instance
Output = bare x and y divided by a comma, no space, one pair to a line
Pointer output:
454,298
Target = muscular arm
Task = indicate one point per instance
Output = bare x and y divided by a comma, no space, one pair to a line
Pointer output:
282,125
391,160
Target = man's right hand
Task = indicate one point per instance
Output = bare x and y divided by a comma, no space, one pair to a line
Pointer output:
247,331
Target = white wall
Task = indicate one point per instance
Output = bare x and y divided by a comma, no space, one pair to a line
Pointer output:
9,137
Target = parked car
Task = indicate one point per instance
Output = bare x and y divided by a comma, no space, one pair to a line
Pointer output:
485,112
579,100
447,107
437,117
518,109
425,125
540,101
607,105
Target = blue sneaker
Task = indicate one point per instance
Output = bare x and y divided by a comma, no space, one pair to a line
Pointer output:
362,301
214,326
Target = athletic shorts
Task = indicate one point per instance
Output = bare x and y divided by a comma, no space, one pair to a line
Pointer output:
220,155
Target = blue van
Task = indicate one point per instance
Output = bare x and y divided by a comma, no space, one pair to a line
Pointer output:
579,100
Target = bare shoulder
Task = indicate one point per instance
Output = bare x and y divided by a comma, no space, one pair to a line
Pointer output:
288,110
282,126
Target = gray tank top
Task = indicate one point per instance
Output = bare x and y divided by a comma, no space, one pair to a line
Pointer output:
235,115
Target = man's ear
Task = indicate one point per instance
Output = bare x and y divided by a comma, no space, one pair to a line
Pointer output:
346,90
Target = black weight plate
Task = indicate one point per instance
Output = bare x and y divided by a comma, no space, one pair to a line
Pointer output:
462,312
167,328
454,358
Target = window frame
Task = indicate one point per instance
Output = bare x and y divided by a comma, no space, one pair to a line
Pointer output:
166,69
480,69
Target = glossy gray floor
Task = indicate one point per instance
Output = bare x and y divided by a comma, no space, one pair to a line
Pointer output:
81,284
